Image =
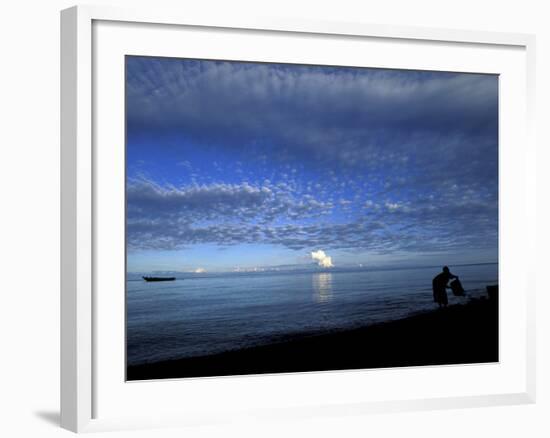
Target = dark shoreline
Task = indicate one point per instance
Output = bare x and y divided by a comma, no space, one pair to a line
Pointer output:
459,334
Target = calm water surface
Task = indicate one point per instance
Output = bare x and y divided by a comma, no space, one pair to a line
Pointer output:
208,313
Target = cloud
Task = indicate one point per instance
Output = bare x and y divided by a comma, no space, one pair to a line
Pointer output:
351,116
322,259
170,218
427,130
467,227
333,158
239,202
199,271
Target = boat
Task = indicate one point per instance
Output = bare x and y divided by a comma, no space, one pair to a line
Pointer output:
159,278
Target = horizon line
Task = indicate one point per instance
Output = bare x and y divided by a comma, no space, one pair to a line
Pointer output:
313,268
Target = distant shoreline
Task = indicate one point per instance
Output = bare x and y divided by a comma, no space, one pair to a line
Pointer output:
184,275
459,334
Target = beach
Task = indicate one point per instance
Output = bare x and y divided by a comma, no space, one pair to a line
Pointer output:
459,334
208,314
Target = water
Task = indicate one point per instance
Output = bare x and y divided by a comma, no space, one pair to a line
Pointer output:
210,313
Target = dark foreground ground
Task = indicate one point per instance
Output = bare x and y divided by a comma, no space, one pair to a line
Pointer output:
456,335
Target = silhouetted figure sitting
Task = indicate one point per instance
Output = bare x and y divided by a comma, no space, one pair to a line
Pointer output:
439,284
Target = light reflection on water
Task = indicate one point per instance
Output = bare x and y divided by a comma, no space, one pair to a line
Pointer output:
322,287
214,313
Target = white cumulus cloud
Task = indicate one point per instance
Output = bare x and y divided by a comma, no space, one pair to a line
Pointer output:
322,259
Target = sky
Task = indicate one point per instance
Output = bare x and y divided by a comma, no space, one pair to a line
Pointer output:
242,166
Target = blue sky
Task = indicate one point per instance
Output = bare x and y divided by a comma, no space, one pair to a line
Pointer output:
235,165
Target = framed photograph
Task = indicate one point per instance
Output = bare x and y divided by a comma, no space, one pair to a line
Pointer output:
289,218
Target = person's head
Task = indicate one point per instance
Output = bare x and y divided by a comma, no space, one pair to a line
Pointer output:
446,269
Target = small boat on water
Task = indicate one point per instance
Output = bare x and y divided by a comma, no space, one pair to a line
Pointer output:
159,278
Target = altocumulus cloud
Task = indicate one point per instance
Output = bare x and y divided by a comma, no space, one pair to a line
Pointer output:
341,158
167,218
357,117
192,204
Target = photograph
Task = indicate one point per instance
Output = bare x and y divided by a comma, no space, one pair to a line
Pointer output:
285,218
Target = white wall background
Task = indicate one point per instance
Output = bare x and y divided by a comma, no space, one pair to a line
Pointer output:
29,223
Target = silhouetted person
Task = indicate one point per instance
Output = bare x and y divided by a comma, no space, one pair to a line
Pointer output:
439,284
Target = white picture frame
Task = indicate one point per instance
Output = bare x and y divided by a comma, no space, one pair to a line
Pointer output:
81,313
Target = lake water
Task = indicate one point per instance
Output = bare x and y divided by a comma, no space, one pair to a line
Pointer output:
210,313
